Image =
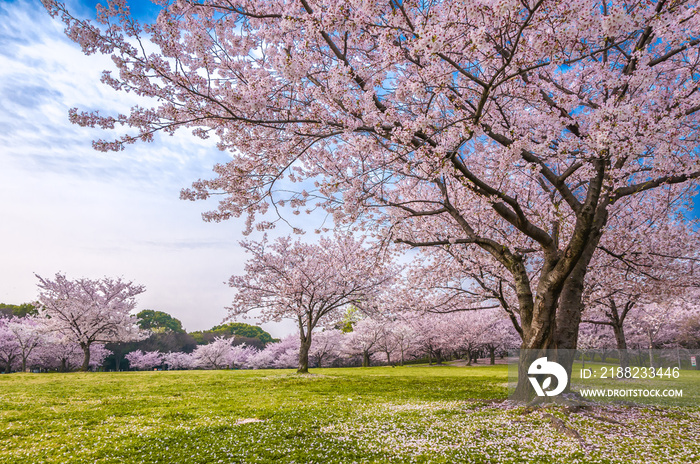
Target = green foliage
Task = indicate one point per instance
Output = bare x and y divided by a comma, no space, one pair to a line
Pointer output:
252,335
350,318
367,415
244,330
199,337
22,310
158,321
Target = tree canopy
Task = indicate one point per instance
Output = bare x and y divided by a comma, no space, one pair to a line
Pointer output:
243,333
243,330
150,319
87,311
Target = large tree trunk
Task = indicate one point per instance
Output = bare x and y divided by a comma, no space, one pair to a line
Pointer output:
538,337
305,330
365,358
86,357
621,345
304,355
438,357
492,354
568,318
546,322
568,321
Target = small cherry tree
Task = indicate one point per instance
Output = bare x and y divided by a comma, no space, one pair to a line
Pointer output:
176,360
688,333
309,283
281,354
403,336
144,361
10,349
214,355
365,339
326,346
86,311
655,325
29,336
239,355
497,333
436,335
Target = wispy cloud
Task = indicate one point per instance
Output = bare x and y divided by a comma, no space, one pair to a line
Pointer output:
64,206
42,76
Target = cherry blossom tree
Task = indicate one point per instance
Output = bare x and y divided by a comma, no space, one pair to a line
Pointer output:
98,354
387,343
516,131
282,354
655,325
596,338
176,360
435,335
309,283
403,336
144,361
285,354
326,346
86,311
498,334
55,355
214,355
456,312
464,333
688,333
29,336
644,262
263,359
10,349
240,355
364,340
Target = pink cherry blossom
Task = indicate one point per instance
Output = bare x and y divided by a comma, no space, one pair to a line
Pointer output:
144,361
86,311
513,130
309,283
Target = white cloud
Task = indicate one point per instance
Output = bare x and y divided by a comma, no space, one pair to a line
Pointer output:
65,207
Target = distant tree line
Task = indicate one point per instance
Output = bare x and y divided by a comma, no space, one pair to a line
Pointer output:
33,339
9,310
168,335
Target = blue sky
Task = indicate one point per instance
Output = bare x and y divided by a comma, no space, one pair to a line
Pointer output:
68,208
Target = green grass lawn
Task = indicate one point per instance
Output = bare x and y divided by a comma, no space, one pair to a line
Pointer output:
409,414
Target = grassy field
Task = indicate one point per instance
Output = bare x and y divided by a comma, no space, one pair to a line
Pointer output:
409,414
